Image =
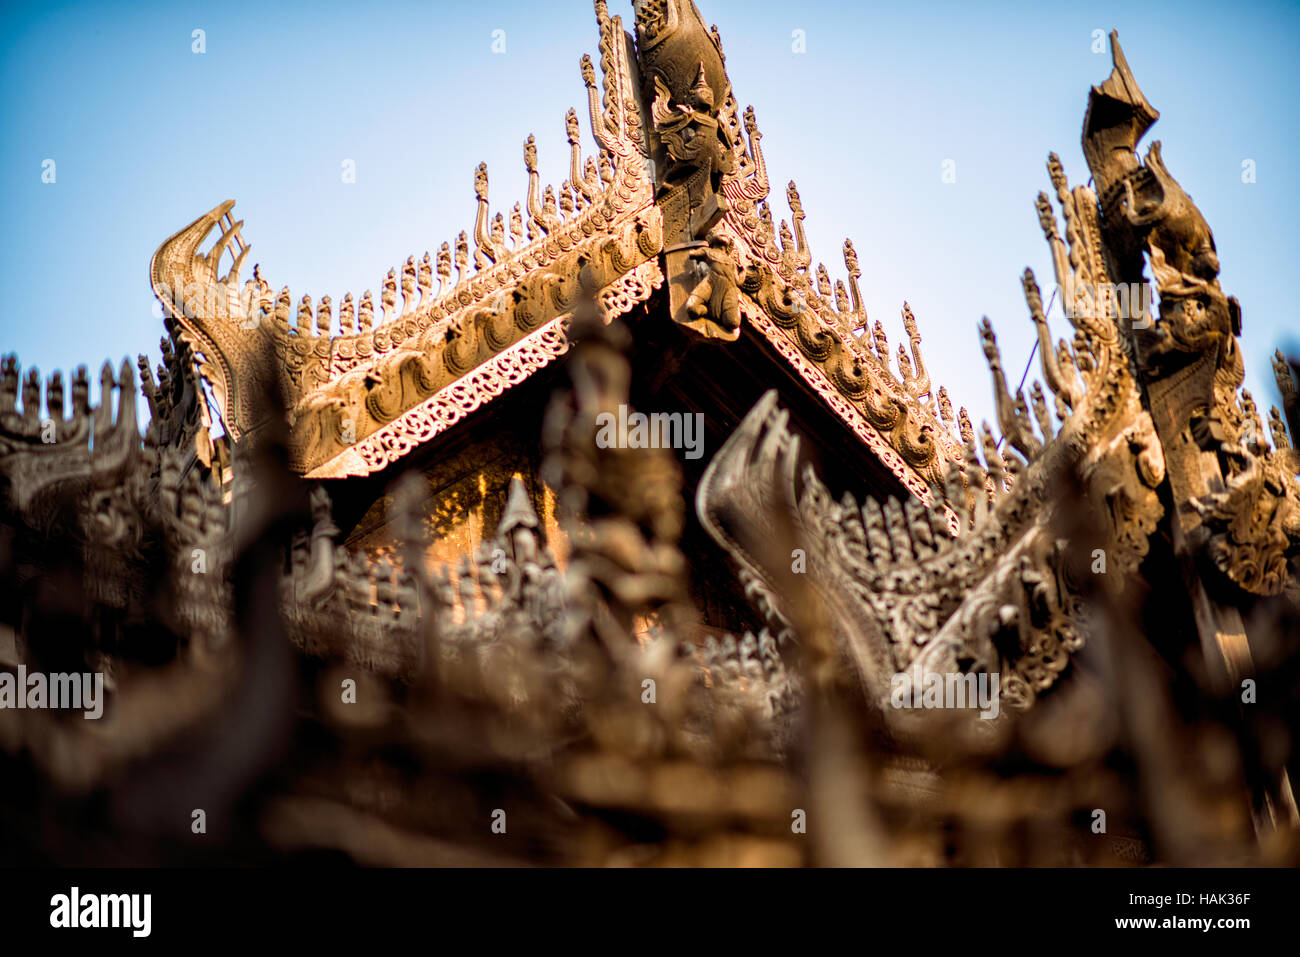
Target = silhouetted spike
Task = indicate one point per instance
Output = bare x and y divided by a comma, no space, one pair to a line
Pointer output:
896,526
873,521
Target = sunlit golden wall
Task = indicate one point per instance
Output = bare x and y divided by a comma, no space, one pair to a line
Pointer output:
466,497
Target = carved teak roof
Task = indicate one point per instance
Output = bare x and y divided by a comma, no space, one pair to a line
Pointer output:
363,382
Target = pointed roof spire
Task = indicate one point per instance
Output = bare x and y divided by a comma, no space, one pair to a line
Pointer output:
1122,86
1117,117
519,512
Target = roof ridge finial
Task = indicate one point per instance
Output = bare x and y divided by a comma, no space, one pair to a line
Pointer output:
484,253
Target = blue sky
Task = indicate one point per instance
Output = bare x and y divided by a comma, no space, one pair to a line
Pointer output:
147,135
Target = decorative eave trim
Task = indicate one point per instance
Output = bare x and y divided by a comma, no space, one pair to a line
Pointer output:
481,385
741,223
842,407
